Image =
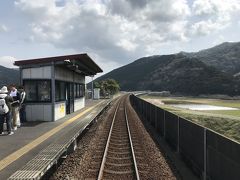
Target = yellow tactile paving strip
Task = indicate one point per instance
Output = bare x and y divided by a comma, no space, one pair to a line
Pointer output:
25,149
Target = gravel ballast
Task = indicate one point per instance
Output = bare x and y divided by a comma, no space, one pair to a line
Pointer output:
82,163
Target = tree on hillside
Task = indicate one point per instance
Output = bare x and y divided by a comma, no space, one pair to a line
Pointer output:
96,84
112,86
107,87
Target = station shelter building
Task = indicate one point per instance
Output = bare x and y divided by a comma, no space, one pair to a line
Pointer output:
55,86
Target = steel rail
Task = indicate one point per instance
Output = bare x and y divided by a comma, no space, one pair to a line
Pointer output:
100,174
131,144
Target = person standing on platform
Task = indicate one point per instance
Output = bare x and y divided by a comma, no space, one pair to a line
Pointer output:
22,107
15,107
5,110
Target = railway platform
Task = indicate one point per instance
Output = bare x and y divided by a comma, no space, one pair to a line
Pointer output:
32,138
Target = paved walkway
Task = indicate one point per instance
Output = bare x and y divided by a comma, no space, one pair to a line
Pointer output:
29,140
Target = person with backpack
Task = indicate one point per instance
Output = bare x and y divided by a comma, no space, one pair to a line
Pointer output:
22,106
5,110
15,107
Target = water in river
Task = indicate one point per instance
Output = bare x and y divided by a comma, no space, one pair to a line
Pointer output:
202,107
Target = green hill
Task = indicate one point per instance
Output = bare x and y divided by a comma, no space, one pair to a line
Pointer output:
8,76
184,73
225,57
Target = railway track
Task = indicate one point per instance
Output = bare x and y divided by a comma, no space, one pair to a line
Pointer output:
116,157
109,153
119,157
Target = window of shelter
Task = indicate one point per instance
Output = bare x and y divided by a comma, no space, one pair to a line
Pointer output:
38,90
79,90
60,89
44,91
82,90
31,90
76,90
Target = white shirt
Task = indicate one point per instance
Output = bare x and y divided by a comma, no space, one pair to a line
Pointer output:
13,93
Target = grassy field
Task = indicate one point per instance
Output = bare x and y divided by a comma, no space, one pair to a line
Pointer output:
226,122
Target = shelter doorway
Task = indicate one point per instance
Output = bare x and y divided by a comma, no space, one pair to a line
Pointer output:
70,98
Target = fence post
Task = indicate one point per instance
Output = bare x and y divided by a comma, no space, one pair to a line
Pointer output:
150,113
145,107
178,145
205,155
156,123
164,122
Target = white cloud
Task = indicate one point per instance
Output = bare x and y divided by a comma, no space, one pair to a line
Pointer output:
155,10
205,27
115,30
3,28
167,11
119,31
201,7
215,7
215,15
7,61
127,45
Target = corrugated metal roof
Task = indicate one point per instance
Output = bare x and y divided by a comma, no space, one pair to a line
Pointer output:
84,62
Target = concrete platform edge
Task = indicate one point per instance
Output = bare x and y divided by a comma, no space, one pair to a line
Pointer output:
57,150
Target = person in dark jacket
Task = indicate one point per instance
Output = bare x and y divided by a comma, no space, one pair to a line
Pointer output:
5,112
22,107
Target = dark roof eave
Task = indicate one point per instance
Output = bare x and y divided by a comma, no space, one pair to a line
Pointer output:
83,58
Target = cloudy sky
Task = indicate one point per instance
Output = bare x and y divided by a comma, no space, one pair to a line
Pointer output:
113,32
